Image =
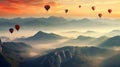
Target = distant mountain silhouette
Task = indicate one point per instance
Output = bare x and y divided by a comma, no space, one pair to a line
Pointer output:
14,46
14,49
80,40
111,42
53,22
85,19
55,19
71,32
90,32
95,51
42,37
99,40
89,51
31,22
84,38
113,33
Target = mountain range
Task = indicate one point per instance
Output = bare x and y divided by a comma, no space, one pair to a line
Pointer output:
60,57
111,42
55,23
67,56
42,37
87,40
14,46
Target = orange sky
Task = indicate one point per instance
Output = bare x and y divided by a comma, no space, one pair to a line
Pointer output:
29,8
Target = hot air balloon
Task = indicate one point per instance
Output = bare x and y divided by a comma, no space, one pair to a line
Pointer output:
17,27
100,15
66,10
11,30
109,10
93,8
47,7
79,6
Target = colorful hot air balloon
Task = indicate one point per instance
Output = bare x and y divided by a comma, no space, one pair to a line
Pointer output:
93,8
79,6
66,10
11,30
100,15
17,27
47,7
109,10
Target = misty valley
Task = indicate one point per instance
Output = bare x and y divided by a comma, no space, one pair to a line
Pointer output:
52,50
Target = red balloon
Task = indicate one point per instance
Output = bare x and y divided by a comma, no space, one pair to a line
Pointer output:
79,6
66,10
11,30
93,8
17,27
109,10
100,15
47,7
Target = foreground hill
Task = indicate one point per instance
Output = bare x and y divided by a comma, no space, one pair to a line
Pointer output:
4,62
67,57
13,52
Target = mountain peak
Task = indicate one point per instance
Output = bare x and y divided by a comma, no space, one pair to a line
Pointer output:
102,37
54,18
85,19
41,37
115,30
90,31
84,37
40,33
116,37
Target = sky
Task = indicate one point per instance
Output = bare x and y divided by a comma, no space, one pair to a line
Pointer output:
35,8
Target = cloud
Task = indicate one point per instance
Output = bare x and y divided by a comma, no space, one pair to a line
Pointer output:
15,6
5,39
6,8
27,2
31,2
